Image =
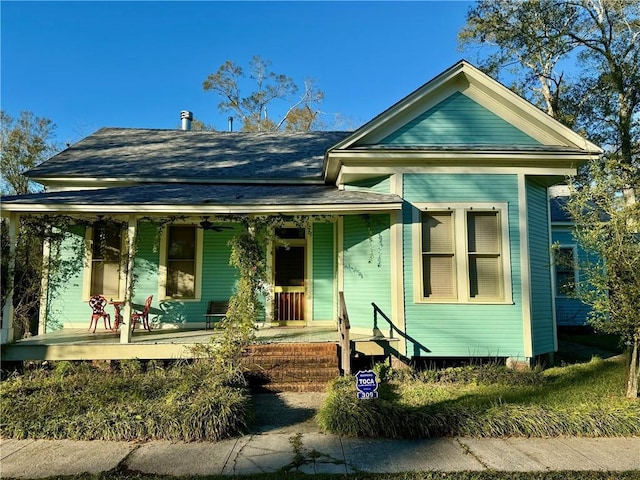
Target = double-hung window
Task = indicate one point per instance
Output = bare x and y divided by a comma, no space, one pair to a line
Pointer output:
566,272
105,251
181,256
463,253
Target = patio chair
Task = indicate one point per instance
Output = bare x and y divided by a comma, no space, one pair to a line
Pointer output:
144,316
97,304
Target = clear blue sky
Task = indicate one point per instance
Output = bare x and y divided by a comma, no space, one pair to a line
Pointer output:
87,65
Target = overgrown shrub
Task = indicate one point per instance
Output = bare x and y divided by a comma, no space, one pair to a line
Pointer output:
486,401
189,403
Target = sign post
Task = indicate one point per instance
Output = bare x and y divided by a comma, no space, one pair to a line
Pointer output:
366,384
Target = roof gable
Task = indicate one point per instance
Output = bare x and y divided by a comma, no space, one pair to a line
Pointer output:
458,120
526,121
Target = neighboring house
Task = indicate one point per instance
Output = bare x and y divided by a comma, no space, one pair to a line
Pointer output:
570,311
432,219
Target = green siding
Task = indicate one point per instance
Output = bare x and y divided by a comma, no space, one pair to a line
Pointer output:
456,329
323,302
539,258
377,185
146,265
458,120
218,280
569,311
65,305
367,270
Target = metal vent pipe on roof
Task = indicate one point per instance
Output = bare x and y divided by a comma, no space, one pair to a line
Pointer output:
186,116
230,124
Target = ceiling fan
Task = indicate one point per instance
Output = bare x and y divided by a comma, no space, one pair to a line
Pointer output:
205,224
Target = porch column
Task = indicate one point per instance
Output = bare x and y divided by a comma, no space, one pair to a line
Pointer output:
7,331
44,286
125,330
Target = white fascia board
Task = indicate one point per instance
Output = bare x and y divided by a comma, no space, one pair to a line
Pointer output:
404,104
202,210
377,163
516,104
354,173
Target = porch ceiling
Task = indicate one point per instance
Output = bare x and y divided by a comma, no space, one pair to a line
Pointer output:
205,198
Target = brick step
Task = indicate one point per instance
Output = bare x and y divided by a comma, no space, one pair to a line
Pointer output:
303,374
268,362
290,387
291,367
293,349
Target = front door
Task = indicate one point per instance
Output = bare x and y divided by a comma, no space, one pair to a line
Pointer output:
289,272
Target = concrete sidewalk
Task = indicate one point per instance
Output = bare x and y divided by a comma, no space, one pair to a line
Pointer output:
285,437
316,453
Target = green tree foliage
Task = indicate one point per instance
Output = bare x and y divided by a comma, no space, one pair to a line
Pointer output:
25,142
526,40
607,225
270,90
600,41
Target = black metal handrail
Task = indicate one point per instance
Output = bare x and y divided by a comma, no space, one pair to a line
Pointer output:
343,328
377,311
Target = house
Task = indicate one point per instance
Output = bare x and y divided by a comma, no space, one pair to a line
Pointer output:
571,313
431,220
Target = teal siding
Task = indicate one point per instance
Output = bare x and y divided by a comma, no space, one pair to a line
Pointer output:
458,120
323,302
569,311
65,305
463,330
377,185
367,270
542,328
218,280
147,263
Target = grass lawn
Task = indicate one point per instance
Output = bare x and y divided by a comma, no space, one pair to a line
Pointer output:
585,399
196,403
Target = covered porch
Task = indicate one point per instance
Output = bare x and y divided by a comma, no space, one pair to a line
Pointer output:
162,344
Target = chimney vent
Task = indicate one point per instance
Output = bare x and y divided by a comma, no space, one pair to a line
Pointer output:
230,124
186,117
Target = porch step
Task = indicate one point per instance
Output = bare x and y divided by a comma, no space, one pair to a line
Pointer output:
291,367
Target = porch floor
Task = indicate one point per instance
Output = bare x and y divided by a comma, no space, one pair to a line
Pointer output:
79,344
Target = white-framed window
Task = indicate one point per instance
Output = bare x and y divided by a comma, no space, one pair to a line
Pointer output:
103,269
181,262
566,270
461,253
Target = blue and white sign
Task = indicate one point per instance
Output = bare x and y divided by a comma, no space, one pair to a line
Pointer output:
367,384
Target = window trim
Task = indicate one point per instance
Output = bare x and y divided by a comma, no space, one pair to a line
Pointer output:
162,264
461,253
87,270
576,271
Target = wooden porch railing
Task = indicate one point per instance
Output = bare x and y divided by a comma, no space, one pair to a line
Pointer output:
289,304
343,329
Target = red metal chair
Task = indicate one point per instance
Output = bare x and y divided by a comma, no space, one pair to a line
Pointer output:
97,304
144,316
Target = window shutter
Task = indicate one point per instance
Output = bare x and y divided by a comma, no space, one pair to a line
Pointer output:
438,262
483,246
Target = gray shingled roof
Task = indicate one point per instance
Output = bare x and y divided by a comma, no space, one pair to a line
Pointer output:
157,155
205,195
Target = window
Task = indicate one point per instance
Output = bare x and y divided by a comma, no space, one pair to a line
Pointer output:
181,261
483,248
463,253
565,268
438,256
106,245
